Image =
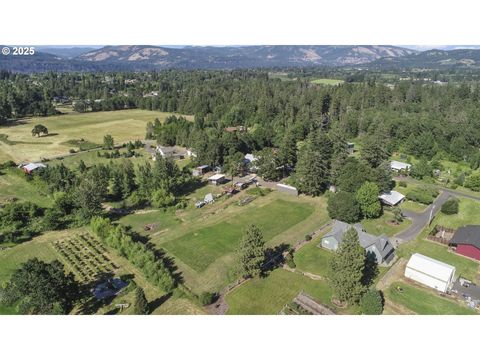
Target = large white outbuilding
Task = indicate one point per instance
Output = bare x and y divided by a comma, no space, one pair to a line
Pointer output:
430,272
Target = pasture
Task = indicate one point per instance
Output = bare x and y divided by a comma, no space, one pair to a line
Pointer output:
17,143
203,241
200,248
327,81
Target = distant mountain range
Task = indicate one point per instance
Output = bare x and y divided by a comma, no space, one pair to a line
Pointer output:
145,57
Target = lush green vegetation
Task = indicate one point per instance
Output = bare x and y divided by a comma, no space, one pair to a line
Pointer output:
202,247
424,301
467,215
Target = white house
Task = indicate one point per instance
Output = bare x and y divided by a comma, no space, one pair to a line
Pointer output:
391,198
430,272
399,166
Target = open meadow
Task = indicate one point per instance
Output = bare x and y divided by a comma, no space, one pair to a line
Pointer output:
18,144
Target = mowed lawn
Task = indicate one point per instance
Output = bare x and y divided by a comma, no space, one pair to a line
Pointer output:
123,125
267,296
383,225
424,302
313,259
468,214
200,248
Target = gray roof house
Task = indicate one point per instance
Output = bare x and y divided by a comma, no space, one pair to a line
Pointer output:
379,246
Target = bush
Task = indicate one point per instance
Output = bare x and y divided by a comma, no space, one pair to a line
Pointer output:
423,195
308,237
372,302
290,262
402,184
473,182
450,206
207,298
258,191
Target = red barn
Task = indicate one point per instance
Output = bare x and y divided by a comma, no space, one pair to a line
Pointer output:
466,241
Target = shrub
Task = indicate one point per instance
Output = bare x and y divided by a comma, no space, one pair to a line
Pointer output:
207,298
308,237
371,302
424,195
473,182
450,206
289,261
402,184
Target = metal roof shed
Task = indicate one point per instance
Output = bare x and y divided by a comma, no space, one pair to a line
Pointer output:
430,272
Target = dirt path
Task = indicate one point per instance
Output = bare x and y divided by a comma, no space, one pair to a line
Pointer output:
393,274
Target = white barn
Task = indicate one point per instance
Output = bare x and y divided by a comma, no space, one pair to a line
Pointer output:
430,272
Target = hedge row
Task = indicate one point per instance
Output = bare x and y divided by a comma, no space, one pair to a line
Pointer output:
116,237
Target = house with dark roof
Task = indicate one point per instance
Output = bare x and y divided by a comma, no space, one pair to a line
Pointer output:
378,246
466,241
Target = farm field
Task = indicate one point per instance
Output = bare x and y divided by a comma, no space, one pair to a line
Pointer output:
327,81
43,247
201,248
123,125
267,296
203,241
424,301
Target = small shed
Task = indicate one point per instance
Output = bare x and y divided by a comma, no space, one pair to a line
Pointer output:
216,179
200,170
31,167
287,189
392,198
430,272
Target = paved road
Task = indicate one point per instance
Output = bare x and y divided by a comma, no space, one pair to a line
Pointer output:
420,220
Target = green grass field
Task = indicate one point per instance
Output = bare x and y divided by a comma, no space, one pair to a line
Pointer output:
468,214
123,125
201,248
267,296
382,225
425,302
413,206
327,81
312,259
14,184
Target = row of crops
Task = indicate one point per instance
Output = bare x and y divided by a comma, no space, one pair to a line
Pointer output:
86,256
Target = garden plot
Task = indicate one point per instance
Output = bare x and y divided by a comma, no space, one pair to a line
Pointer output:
86,256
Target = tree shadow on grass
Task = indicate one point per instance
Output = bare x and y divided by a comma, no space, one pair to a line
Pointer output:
155,304
274,258
169,262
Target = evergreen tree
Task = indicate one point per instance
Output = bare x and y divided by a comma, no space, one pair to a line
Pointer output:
251,253
344,207
140,306
313,166
108,142
372,303
347,267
